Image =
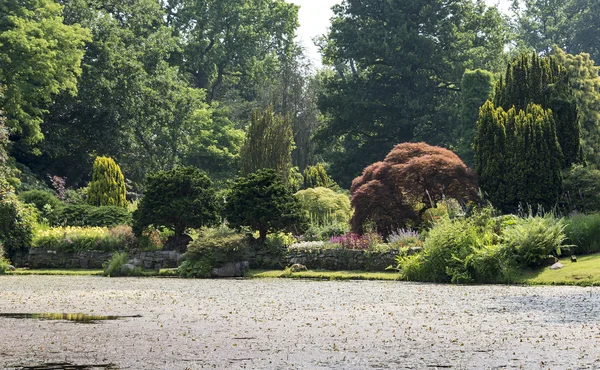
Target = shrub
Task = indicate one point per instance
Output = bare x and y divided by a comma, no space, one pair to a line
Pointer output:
326,231
488,264
367,241
17,223
583,231
309,245
4,263
85,238
178,199
113,266
581,188
405,238
40,198
532,239
107,187
213,248
445,249
86,215
323,206
316,176
412,178
262,202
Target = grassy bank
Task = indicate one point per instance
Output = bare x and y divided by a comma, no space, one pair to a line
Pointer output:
584,272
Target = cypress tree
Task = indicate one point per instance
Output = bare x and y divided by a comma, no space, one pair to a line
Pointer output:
107,187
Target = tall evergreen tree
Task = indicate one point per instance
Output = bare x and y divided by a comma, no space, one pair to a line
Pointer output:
543,81
269,144
585,82
108,184
476,86
518,157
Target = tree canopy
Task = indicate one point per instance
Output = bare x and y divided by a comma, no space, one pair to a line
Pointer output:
397,68
40,56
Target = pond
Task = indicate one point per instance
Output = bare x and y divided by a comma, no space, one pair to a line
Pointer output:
282,324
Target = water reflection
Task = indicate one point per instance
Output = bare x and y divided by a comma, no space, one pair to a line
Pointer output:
74,317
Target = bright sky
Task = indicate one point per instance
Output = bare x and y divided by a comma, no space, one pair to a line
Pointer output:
314,20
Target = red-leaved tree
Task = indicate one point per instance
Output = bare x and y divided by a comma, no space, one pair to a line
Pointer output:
412,178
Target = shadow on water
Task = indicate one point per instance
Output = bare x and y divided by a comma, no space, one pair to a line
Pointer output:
69,366
73,317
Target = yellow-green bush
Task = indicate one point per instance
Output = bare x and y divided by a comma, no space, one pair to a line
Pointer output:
107,187
324,206
86,238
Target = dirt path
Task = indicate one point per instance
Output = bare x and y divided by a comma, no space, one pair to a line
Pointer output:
285,324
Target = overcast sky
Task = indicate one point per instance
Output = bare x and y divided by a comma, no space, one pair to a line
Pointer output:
314,20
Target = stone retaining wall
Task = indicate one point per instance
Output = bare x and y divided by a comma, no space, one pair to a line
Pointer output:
43,258
327,259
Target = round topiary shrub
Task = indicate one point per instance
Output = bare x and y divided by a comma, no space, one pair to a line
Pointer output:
178,199
107,187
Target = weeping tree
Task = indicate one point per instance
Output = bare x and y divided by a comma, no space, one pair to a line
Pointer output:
107,187
412,178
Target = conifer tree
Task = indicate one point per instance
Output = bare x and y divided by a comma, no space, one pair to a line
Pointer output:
268,145
107,187
316,176
476,87
585,82
518,157
543,81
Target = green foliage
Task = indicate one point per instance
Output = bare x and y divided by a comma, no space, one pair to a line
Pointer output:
262,202
585,82
5,171
235,44
213,248
581,188
324,206
178,199
545,82
518,157
316,176
483,248
396,68
4,263
269,144
86,215
326,231
40,56
112,268
107,187
40,199
583,231
476,86
531,240
17,223
446,247
75,239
